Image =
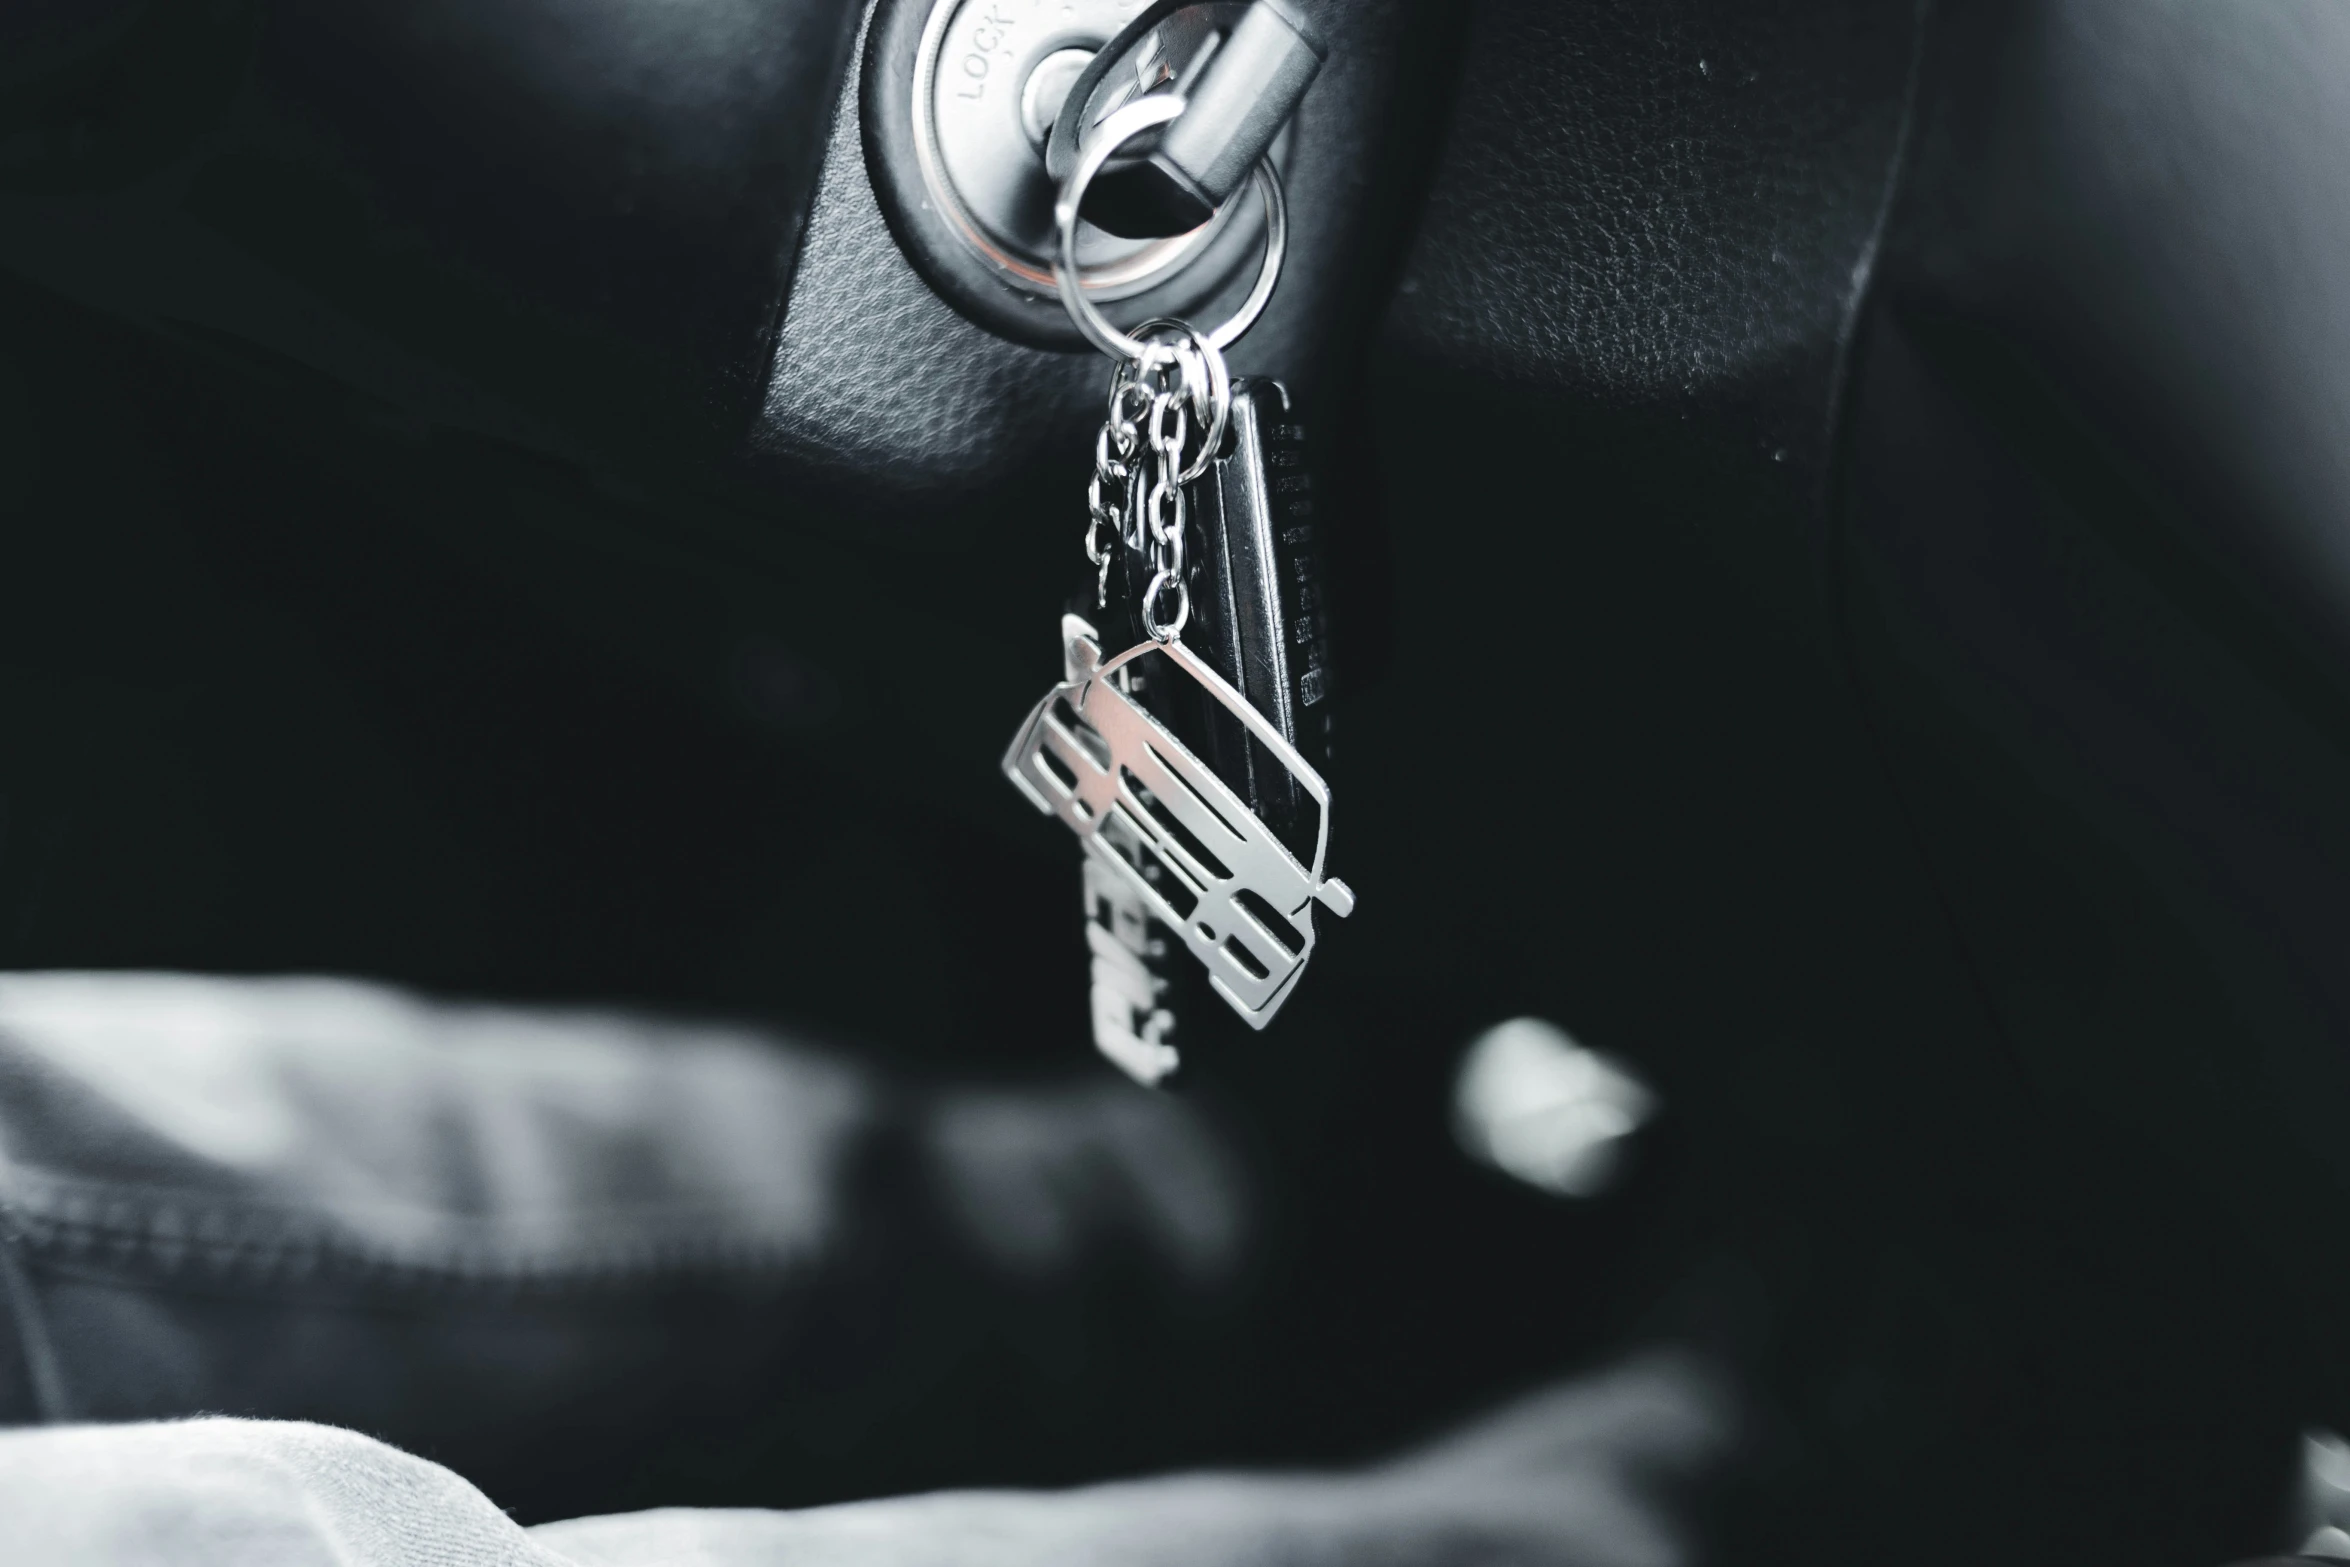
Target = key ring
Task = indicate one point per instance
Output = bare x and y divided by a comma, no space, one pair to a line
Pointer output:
1113,133
1207,382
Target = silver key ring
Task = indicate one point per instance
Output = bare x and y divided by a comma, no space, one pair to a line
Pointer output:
1210,390
1113,133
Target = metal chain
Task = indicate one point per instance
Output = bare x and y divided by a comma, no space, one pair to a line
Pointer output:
1113,453
1168,409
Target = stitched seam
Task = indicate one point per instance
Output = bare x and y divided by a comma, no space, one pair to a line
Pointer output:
93,1222
111,1254
282,1272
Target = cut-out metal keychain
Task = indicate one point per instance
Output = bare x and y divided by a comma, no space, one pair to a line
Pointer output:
1179,766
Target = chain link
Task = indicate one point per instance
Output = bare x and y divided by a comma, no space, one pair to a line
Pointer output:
1168,409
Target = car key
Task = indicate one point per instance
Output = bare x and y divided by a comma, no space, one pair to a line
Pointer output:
1261,622
1178,764
1261,612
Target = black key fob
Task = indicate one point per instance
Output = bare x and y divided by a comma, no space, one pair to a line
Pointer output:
1259,610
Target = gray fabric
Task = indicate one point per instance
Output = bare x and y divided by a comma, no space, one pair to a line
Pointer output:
530,1244
208,1125
546,1248
1565,1478
202,1126
254,1493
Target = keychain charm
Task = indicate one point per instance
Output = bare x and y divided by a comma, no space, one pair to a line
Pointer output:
1156,818
1205,825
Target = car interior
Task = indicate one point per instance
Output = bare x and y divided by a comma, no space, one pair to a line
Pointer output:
1828,617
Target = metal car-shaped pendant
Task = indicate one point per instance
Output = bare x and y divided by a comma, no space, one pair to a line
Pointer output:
1154,815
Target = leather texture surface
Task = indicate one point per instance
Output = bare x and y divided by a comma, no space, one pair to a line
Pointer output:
879,386
574,228
1667,208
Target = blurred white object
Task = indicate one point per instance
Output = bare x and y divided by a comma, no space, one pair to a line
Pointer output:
1534,1104
2329,1542
1574,1473
2325,1494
